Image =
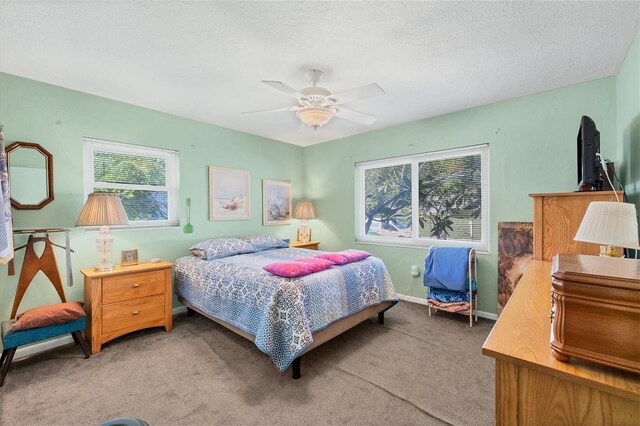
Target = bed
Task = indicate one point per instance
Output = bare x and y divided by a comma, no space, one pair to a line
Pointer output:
284,317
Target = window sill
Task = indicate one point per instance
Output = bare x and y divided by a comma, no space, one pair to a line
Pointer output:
96,229
415,246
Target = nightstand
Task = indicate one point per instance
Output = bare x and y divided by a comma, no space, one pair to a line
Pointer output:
311,245
126,299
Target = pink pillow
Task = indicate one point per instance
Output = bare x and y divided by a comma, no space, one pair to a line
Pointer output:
289,269
345,256
354,255
48,315
317,265
298,267
337,258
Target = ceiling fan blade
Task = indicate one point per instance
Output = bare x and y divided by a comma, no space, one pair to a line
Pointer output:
280,86
358,93
357,116
262,111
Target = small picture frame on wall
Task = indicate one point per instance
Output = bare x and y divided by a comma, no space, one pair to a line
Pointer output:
129,257
276,202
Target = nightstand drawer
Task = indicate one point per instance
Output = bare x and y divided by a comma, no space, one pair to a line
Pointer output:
133,313
131,286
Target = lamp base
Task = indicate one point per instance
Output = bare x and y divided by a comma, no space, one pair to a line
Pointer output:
611,251
104,267
104,243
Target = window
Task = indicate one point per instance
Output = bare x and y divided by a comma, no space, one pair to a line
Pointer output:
145,178
439,198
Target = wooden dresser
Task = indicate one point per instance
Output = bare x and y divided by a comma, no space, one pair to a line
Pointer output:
126,299
534,388
556,219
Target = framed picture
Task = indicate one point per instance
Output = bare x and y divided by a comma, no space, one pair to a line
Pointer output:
303,234
276,202
129,257
229,194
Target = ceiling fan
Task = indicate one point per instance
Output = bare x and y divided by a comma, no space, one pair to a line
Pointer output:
318,105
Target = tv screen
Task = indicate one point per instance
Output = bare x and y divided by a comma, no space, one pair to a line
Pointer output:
588,162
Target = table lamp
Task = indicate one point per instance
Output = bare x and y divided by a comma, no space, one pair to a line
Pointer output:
612,224
103,209
304,210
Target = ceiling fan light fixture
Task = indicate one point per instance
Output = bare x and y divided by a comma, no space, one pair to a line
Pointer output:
315,116
317,105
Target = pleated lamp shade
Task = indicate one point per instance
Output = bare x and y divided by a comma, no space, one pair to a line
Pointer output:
609,223
304,210
102,209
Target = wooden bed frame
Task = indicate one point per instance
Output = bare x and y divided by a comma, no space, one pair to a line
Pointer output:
319,337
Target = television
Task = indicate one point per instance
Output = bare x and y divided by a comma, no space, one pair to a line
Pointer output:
588,161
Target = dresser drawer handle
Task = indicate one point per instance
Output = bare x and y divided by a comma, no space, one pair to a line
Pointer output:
136,285
136,312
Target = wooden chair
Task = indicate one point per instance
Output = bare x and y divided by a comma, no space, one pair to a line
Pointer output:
12,339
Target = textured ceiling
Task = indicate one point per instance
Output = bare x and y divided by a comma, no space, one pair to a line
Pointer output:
205,60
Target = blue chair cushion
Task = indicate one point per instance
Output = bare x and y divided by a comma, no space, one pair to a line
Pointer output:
13,339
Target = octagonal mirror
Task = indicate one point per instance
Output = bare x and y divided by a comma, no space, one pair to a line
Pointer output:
30,168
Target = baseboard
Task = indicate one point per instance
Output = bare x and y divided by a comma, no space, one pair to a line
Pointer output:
45,345
28,350
179,310
421,301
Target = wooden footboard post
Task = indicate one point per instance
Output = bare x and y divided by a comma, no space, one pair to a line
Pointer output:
190,312
381,317
295,367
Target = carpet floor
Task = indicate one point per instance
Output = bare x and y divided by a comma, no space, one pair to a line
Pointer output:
413,370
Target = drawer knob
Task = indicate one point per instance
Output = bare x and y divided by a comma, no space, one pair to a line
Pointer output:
136,312
136,285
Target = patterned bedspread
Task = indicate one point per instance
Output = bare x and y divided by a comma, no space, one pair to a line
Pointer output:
280,312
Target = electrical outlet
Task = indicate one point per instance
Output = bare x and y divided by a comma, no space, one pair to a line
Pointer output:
415,271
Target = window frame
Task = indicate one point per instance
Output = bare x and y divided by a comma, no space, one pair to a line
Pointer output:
172,159
416,241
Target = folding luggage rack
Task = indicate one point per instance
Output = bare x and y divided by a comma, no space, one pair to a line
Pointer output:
472,280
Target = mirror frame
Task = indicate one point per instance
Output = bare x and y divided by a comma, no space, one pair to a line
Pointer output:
49,163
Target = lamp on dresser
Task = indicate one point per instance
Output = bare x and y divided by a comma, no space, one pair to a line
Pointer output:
612,224
103,209
304,210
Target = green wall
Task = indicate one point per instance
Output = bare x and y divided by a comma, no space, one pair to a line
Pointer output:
628,122
532,149
58,118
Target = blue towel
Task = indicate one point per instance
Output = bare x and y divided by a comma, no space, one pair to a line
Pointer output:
446,267
448,296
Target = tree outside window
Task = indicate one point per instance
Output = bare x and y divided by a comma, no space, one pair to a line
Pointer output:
144,178
451,199
388,201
